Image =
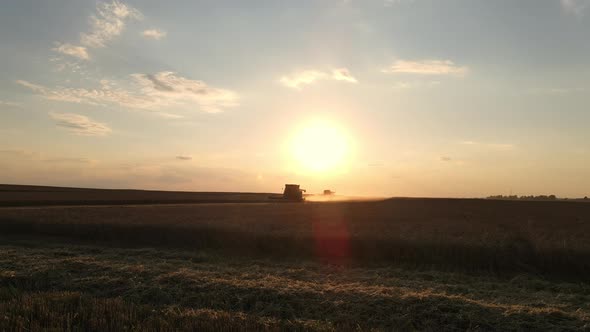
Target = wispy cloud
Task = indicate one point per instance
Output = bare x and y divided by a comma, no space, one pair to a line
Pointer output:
154,34
108,22
61,64
501,146
426,67
61,94
301,78
391,3
412,85
169,115
72,95
79,52
67,160
403,85
493,146
296,80
451,161
184,158
167,89
18,153
80,124
145,91
557,91
575,7
10,104
343,74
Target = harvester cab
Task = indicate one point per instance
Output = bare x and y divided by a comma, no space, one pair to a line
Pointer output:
293,192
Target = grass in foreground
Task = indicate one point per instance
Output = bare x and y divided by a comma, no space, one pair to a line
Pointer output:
57,286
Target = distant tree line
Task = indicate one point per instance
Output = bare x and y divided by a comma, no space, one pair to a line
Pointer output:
525,198
537,198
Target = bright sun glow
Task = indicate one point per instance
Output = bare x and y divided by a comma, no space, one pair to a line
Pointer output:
320,147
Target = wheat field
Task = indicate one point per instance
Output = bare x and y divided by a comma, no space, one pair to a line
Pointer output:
405,264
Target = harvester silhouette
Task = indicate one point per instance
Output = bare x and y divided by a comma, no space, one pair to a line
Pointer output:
292,193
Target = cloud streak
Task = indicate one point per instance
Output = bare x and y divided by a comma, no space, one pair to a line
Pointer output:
575,7
413,85
557,91
79,52
10,104
154,34
80,124
493,146
342,74
391,3
306,77
169,89
153,92
426,67
107,23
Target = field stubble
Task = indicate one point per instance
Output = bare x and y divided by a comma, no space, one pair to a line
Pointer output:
98,288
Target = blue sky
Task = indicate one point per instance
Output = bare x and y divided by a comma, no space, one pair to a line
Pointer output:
429,97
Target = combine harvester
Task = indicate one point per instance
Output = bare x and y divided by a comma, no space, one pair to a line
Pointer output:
292,193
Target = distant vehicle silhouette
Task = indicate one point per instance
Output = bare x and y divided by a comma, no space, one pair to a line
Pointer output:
292,192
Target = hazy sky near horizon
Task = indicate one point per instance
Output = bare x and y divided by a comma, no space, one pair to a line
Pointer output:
453,98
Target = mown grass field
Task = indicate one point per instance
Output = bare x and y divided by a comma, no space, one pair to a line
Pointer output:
404,264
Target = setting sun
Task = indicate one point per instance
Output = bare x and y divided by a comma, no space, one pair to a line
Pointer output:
320,147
